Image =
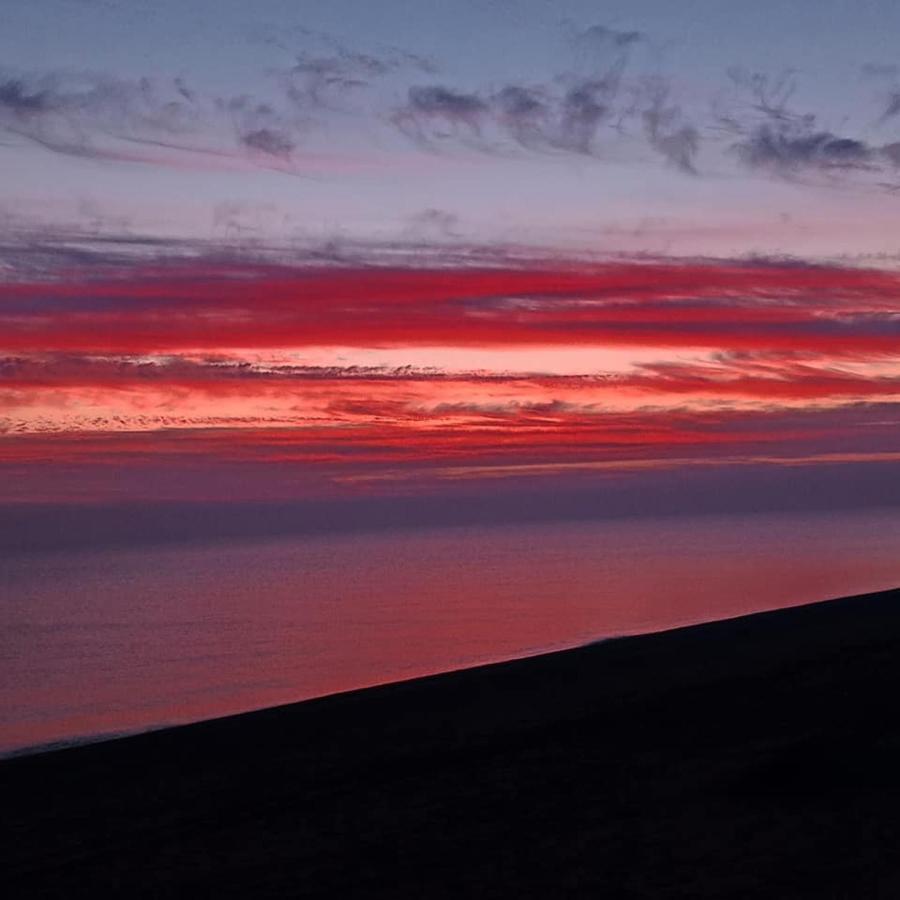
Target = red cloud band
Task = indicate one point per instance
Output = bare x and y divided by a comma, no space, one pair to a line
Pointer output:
183,307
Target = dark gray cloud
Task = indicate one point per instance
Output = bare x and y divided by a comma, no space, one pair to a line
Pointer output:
790,147
600,57
889,74
34,249
574,113
435,112
565,115
602,100
598,47
584,108
16,98
600,37
524,113
103,117
74,113
891,106
270,141
573,116
534,117
543,119
318,81
668,133
324,72
447,103
322,81
769,95
259,127
772,136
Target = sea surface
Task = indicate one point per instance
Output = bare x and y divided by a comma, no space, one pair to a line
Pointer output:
115,641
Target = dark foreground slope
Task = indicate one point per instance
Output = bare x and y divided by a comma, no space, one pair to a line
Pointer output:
758,757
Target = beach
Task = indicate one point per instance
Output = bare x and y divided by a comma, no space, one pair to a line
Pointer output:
754,756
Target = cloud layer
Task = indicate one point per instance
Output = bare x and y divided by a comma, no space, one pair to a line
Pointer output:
195,306
606,102
187,363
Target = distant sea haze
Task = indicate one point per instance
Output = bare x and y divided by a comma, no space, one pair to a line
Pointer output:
124,639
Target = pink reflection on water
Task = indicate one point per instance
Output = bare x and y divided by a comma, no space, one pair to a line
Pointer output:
129,639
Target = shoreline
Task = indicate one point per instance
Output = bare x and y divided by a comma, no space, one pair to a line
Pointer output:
776,726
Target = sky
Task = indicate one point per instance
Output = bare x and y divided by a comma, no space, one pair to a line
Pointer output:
435,253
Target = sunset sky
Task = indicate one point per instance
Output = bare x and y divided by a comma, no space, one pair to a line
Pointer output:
356,250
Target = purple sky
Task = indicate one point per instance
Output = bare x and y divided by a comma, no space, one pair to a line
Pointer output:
295,250
638,126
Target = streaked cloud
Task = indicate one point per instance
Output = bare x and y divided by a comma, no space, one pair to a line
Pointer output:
175,361
182,305
603,103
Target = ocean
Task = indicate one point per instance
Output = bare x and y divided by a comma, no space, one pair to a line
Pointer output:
114,641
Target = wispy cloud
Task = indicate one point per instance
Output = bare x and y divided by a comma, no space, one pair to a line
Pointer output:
159,121
604,102
565,116
771,135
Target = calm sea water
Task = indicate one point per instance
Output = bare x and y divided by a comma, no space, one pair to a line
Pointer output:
122,640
